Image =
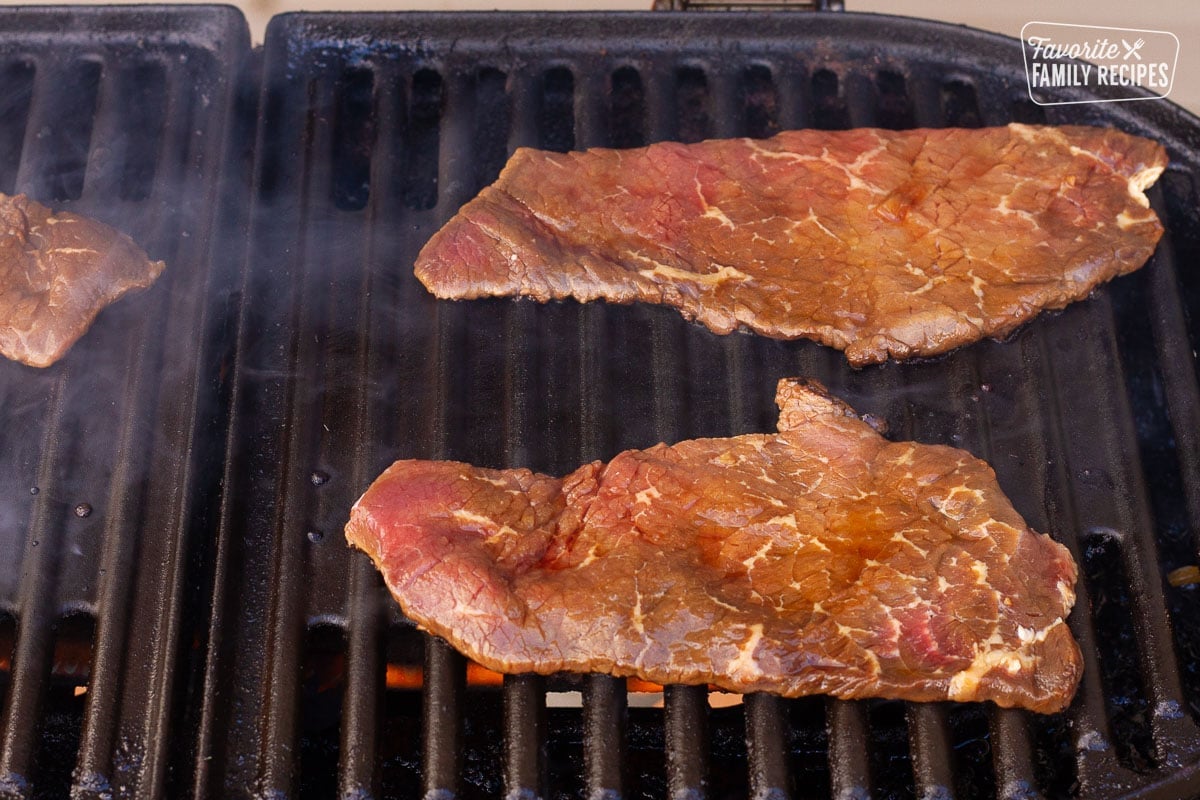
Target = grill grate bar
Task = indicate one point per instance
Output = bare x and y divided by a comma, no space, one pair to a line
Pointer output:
929,742
1066,341
849,765
766,735
18,77
589,112
52,166
1158,664
685,716
249,673
524,737
729,121
302,409
1170,330
520,324
1089,721
1176,734
118,565
35,618
1174,347
364,670
1009,438
928,726
1013,756
442,718
790,82
363,685
858,91
36,590
604,712
981,426
175,502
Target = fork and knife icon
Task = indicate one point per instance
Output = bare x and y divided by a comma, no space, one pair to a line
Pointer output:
1132,49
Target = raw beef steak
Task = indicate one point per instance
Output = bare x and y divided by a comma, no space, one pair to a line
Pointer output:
57,271
821,559
880,243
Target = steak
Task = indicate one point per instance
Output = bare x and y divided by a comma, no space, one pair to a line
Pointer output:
820,559
880,243
57,271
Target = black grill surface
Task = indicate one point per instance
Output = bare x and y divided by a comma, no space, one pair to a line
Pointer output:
108,460
204,632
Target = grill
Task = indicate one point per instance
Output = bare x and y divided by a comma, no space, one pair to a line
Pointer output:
178,614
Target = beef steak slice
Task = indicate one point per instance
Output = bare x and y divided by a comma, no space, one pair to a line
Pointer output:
820,559
57,271
879,243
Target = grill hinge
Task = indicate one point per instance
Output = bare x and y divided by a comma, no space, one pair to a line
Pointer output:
750,5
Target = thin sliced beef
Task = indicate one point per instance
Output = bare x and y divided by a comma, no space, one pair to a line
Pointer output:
880,243
57,271
821,559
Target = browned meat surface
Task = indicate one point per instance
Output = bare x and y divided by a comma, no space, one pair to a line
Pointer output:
880,243
57,271
821,559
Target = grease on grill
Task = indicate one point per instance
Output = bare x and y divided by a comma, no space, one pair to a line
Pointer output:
17,80
1184,576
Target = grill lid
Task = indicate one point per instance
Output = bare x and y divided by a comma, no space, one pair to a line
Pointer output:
237,649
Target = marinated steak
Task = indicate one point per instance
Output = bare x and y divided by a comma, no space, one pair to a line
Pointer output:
57,271
879,243
821,559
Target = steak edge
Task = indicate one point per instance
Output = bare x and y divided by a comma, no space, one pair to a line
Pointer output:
879,243
823,559
58,270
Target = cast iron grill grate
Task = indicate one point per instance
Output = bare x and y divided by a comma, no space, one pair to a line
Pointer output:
278,665
107,458
1081,427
